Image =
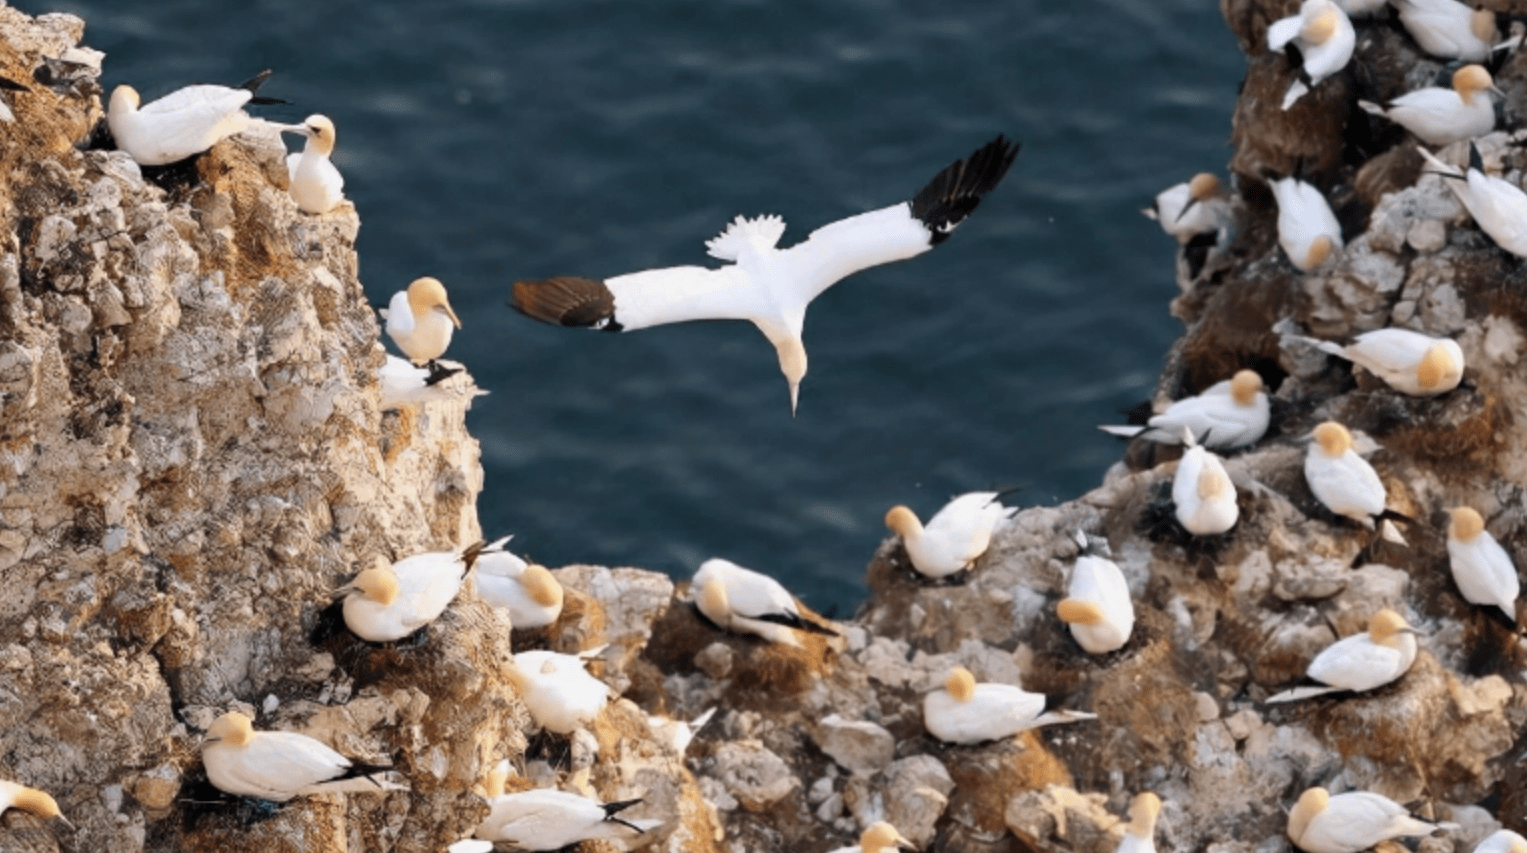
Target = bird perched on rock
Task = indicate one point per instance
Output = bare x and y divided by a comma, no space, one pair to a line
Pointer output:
1502,841
389,602
1202,492
1140,835
1230,413
1448,29
1481,567
420,320
742,600
963,711
1347,823
317,186
1186,210
1409,362
548,819
1344,481
183,123
879,837
954,538
1097,605
768,286
14,795
1323,37
527,590
404,385
1498,206
1439,116
558,691
1362,661
278,766
1307,229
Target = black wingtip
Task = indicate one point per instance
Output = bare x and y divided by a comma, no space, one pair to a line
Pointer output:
1476,161
439,373
791,620
253,84
615,808
952,194
263,101
11,85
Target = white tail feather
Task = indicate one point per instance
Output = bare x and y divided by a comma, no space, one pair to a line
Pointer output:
1369,106
1296,90
1324,346
1388,531
762,232
1431,160
1297,693
1125,431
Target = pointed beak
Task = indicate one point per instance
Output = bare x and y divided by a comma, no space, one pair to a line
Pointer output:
294,128
795,393
904,844
452,314
1495,90
1185,208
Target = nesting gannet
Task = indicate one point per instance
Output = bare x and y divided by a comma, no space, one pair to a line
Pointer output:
770,286
1344,481
1449,29
14,795
1230,413
183,123
1347,823
1502,841
1307,229
1324,37
954,538
558,691
388,603
1140,835
403,384
1481,568
1360,662
420,320
963,711
1439,116
879,837
1188,209
1409,362
1202,492
1498,206
742,600
1097,605
316,185
548,819
277,766
527,590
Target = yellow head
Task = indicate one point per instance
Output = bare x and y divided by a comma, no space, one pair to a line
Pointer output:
542,588
1482,24
321,132
379,584
1311,803
1465,523
792,363
1143,811
124,99
1212,483
711,598
493,784
1518,845
428,294
1385,627
903,522
1245,385
1320,251
38,803
1205,185
1438,369
232,728
1074,611
1319,29
1333,438
882,836
960,684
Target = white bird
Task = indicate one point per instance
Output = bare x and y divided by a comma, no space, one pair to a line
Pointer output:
558,691
548,819
1307,229
1195,207
879,837
1202,492
742,600
1230,413
420,320
1325,38
388,603
963,711
9,85
14,795
769,286
1409,362
1097,605
1439,116
316,185
1347,823
1498,206
278,766
183,123
1481,567
1448,29
678,733
1502,841
1140,835
1344,481
404,385
1360,662
954,538
1362,8
527,590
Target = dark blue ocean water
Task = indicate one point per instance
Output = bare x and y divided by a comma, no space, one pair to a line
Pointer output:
489,141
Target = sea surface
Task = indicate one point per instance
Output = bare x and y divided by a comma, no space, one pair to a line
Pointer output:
495,140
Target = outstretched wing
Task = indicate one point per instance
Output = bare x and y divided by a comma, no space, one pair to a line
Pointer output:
640,299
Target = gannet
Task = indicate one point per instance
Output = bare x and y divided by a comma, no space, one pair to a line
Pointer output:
1307,229
1097,605
963,711
183,123
548,819
1439,116
1140,835
558,691
278,766
879,837
1230,413
528,591
1202,492
954,538
14,795
1502,841
1498,206
1188,209
1409,362
1449,29
9,85
387,603
403,384
1324,37
678,733
1344,481
769,286
742,600
1347,823
316,185
420,320
1481,568
1360,662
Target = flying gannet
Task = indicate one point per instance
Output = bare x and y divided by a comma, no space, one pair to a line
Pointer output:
1360,662
963,711
1344,481
14,795
766,285
1307,229
1439,116
528,591
316,185
954,538
1188,209
559,693
745,601
1097,605
278,766
1203,496
1347,823
1449,29
1409,362
1481,567
1230,413
1140,835
878,837
183,123
420,320
389,602
1324,37
1498,206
